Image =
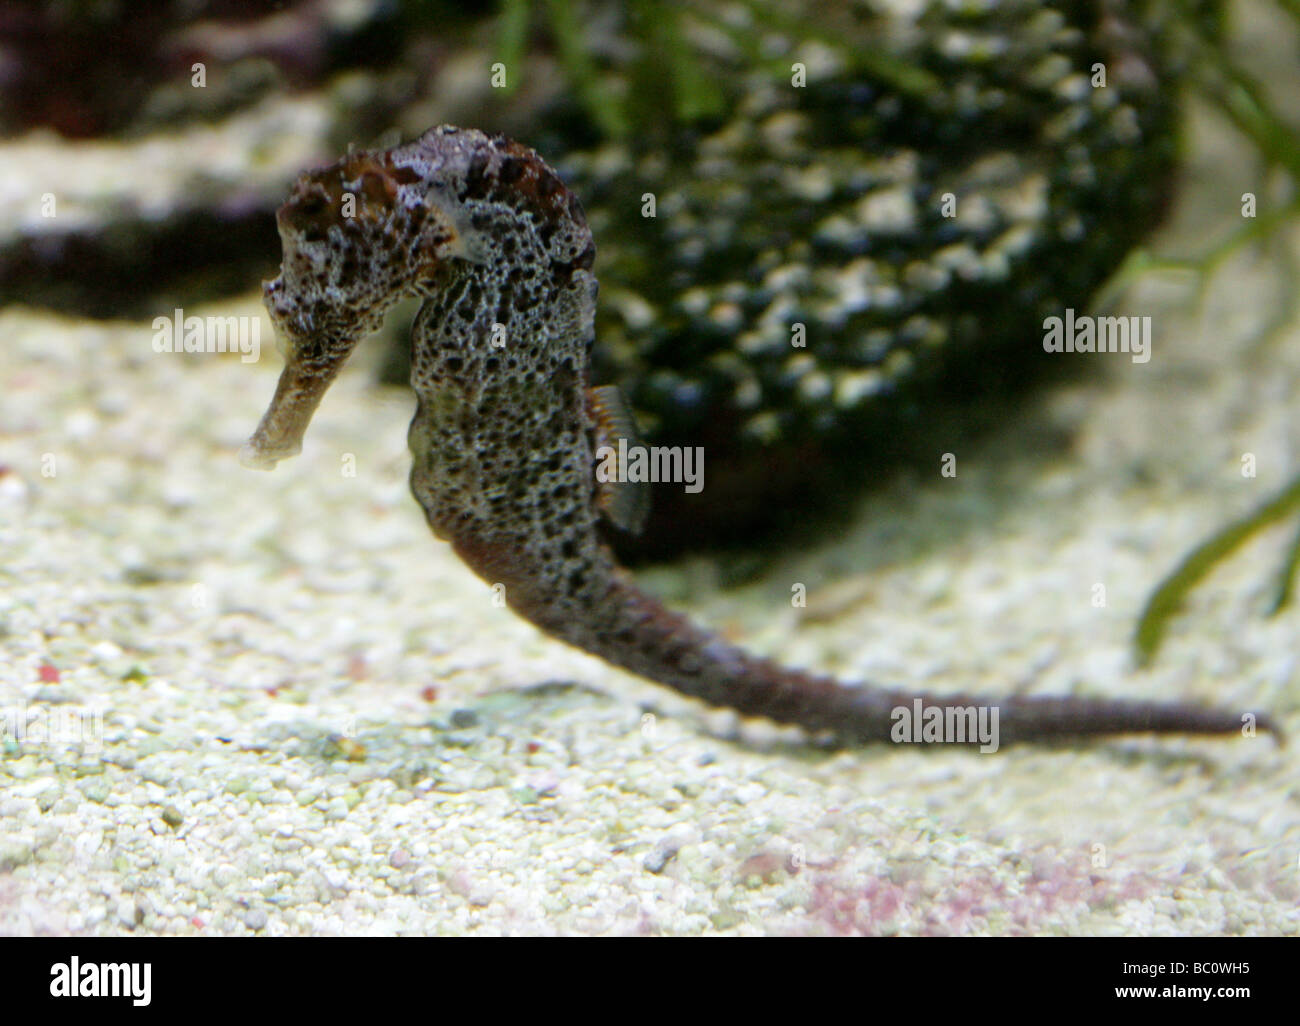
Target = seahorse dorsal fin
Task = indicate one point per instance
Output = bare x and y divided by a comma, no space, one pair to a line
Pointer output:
625,503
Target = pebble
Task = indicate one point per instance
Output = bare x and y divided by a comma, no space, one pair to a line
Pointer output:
658,856
125,913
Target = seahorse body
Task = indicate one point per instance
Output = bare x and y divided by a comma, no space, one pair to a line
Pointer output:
506,428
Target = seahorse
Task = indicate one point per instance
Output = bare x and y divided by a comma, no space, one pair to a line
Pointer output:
507,428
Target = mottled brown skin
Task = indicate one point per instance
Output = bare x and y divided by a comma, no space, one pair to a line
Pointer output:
503,438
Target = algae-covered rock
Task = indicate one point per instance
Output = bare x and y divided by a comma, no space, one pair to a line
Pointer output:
886,202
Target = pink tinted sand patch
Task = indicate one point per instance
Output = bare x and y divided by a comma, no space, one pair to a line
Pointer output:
1045,891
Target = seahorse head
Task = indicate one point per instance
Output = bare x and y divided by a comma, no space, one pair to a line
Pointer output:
356,236
376,226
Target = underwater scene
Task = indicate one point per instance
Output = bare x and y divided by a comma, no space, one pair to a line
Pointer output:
595,468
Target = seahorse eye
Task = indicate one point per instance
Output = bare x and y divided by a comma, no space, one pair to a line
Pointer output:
510,171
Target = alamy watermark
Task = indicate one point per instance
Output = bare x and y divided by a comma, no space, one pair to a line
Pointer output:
945,724
1087,334
193,334
45,724
75,979
651,464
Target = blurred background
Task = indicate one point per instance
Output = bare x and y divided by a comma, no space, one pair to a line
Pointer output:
798,153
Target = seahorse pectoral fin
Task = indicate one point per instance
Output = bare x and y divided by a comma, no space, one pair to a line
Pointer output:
622,498
297,394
